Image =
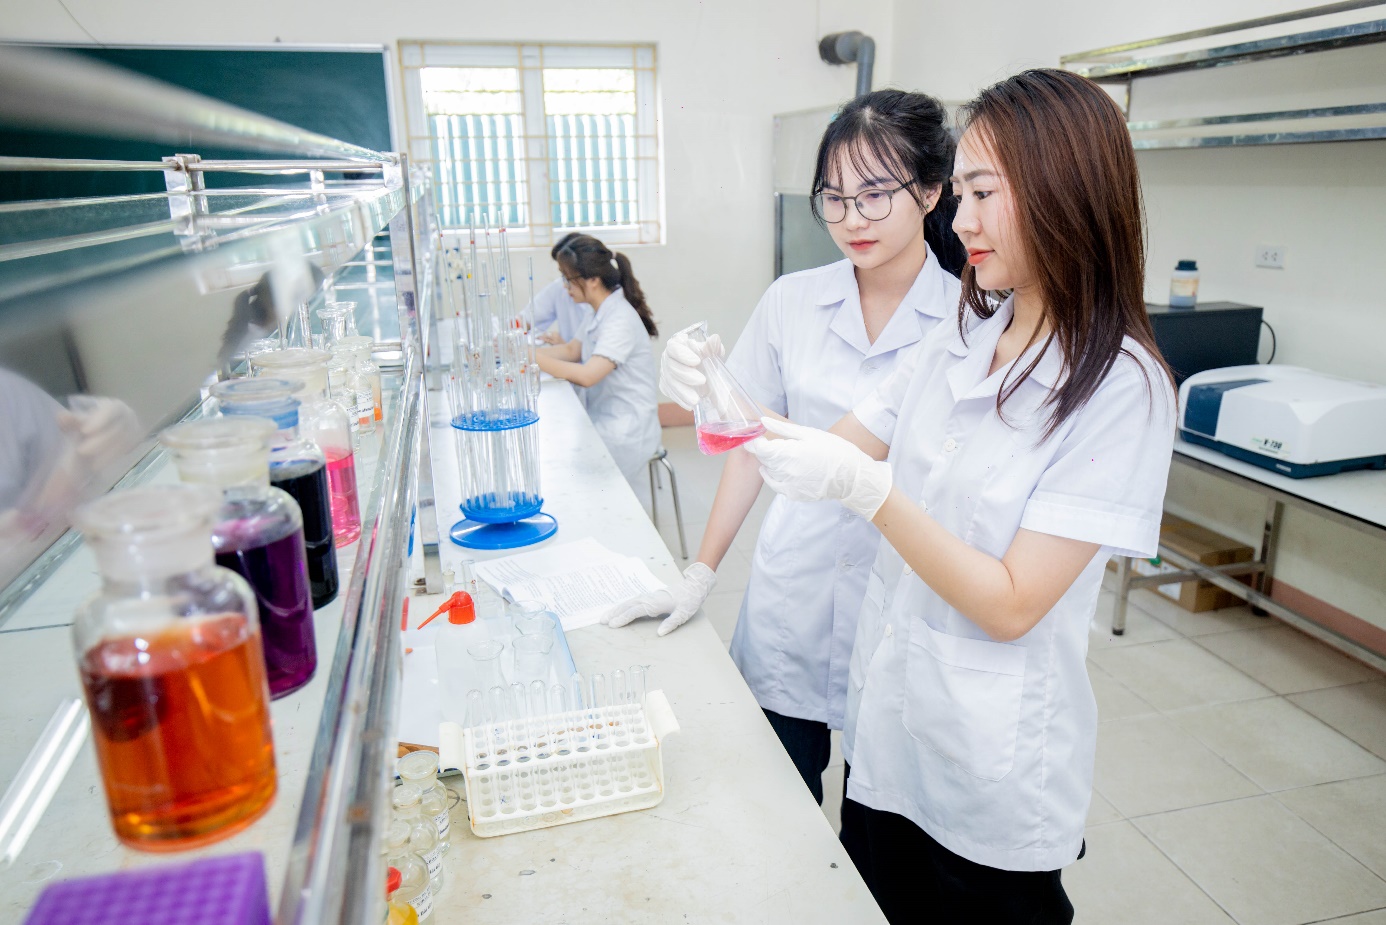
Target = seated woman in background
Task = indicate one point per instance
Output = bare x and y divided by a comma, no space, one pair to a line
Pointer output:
553,313
611,359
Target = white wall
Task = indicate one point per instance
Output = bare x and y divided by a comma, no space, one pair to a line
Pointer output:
725,67
1324,202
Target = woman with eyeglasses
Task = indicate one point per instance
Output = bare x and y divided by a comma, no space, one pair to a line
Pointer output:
611,359
552,312
819,342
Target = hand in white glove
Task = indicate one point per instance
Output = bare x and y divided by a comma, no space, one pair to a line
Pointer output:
680,602
679,375
101,429
814,465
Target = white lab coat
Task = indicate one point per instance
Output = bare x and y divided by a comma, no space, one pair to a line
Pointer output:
988,746
624,406
553,304
804,354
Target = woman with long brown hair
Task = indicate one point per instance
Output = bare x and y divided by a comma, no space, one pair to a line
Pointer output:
1020,450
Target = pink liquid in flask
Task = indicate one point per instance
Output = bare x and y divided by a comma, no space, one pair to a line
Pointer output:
346,508
719,436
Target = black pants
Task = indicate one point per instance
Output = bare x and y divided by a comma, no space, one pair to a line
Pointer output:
809,744
915,879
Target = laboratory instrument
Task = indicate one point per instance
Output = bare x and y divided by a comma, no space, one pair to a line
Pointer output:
358,348
1290,420
325,422
450,643
258,534
1211,336
580,757
414,887
297,467
421,768
171,664
726,417
227,890
493,391
407,801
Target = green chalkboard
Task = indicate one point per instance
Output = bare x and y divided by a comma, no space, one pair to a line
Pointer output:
338,92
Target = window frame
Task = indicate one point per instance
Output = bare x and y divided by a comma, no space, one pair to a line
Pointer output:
531,59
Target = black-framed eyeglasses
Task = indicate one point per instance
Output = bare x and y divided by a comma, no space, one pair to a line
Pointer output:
873,204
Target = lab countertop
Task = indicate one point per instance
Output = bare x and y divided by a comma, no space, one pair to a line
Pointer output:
737,838
1360,495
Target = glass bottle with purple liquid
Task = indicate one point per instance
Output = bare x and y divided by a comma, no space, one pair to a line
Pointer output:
297,466
258,534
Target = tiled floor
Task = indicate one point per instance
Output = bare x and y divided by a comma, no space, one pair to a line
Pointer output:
1241,766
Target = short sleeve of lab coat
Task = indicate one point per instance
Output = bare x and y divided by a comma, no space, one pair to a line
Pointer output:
879,411
756,358
545,305
1106,483
617,334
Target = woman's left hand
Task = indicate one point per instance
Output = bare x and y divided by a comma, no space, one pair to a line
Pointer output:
814,465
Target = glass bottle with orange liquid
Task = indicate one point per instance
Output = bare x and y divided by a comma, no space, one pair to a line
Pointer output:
169,653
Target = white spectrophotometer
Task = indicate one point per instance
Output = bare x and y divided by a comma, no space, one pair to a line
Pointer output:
1291,420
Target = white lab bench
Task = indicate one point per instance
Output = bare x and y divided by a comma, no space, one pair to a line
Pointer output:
1353,499
737,838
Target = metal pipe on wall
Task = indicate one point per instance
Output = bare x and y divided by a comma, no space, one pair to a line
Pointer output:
847,48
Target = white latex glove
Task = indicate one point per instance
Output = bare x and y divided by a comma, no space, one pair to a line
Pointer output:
814,465
679,375
680,602
101,429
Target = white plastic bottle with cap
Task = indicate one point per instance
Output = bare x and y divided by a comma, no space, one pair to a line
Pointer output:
1183,285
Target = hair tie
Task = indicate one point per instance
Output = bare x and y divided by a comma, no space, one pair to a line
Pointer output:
614,264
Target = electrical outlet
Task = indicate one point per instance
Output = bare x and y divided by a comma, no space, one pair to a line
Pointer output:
1270,256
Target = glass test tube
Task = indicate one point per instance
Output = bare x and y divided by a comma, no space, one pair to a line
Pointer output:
618,687
558,716
637,685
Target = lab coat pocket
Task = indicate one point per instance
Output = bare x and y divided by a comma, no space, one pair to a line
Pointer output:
868,631
963,699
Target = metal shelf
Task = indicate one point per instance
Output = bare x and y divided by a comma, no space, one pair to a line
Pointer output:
1121,64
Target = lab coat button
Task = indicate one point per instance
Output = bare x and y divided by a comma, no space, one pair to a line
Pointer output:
950,445
889,631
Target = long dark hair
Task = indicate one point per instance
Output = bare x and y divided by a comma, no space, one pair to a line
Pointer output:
1066,153
583,256
907,134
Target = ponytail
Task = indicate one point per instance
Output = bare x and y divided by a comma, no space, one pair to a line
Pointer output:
630,287
943,243
584,256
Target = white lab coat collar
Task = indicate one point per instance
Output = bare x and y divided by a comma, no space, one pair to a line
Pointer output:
972,379
925,297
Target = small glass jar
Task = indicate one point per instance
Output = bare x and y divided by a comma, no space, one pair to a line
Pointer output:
423,832
360,349
325,422
297,466
415,887
338,321
421,769
258,533
169,653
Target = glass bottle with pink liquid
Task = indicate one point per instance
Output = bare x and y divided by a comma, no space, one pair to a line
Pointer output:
727,416
169,653
258,534
325,422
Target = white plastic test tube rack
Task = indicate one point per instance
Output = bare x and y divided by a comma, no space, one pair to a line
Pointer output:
555,768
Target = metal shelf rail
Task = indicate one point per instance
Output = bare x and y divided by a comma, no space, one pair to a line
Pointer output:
1122,64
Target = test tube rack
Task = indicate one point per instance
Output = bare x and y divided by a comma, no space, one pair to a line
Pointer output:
558,768
493,390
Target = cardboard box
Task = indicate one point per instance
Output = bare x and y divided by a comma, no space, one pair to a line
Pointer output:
1204,546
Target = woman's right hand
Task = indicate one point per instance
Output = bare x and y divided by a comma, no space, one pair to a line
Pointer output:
680,377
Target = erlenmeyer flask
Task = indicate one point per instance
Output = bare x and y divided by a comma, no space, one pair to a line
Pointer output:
727,416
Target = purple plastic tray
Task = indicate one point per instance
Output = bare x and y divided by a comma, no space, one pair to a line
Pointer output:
226,890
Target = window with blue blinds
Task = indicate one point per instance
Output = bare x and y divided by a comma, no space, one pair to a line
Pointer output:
543,139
